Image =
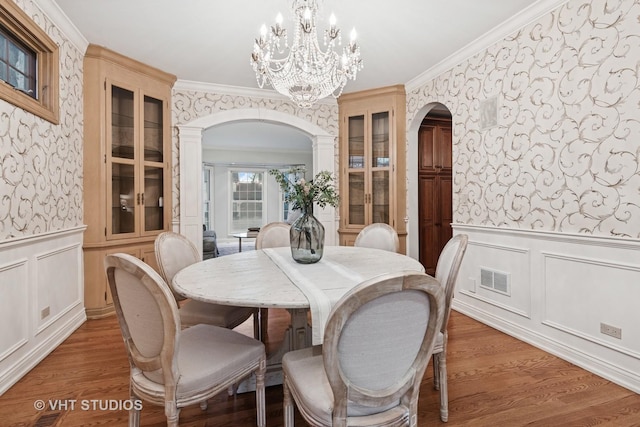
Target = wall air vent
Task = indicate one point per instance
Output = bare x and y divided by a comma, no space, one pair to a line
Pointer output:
494,280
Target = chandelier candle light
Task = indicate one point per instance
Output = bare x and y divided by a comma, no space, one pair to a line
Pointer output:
304,73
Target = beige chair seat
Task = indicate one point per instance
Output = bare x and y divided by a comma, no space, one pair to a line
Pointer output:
305,369
209,355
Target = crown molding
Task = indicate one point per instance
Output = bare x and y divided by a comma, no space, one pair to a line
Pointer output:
193,86
513,24
51,9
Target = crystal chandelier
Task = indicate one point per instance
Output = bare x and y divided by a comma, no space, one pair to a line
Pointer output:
304,72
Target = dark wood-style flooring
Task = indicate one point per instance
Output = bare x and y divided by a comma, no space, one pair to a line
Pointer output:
494,380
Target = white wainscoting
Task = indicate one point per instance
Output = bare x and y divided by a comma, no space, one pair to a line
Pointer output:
41,298
562,287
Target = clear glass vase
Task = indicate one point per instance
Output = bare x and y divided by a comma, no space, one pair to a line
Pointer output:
307,238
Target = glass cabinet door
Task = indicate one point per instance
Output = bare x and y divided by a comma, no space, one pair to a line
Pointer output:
368,169
357,198
380,167
356,170
153,200
137,169
122,120
153,137
123,198
153,149
123,176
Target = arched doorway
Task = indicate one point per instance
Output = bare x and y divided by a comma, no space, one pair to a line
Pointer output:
190,159
430,143
435,186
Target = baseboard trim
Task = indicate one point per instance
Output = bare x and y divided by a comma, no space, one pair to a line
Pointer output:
35,355
603,368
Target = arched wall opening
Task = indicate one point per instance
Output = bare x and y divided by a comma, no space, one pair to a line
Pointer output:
190,161
413,196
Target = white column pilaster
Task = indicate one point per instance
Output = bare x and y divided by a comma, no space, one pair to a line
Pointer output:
191,184
324,159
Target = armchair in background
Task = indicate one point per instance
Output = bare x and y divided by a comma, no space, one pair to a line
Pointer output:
209,243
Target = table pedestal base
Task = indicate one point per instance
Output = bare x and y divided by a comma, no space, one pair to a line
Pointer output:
297,336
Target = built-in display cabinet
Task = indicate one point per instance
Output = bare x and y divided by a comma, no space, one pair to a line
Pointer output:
127,164
372,161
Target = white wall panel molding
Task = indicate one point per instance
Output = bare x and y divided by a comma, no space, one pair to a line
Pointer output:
14,295
602,366
602,291
515,249
508,257
495,303
55,290
582,239
574,284
41,281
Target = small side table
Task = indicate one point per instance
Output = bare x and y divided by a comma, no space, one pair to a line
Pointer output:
245,235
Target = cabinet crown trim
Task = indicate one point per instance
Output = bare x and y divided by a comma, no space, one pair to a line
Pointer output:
105,54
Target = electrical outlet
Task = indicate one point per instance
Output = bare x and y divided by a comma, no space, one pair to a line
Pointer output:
612,331
44,313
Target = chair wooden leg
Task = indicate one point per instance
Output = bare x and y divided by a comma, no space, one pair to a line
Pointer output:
172,413
260,398
134,418
436,371
444,395
134,412
231,391
287,403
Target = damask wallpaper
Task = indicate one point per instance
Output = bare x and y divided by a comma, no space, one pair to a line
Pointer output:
41,163
563,157
565,153
191,105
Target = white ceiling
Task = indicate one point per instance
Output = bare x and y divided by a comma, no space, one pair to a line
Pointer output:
210,41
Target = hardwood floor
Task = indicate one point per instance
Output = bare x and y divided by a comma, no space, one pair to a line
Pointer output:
494,380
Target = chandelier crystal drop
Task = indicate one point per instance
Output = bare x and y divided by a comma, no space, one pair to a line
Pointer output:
303,72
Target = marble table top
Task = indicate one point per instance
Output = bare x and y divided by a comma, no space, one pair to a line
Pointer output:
270,278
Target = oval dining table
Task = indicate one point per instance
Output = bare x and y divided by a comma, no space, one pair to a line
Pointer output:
270,278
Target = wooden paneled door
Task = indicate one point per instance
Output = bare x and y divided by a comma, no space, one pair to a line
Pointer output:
435,212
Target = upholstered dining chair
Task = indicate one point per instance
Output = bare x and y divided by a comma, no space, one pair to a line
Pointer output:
272,235
447,273
171,366
369,368
378,236
175,252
